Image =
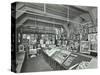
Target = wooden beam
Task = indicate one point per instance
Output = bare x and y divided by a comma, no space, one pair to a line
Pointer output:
48,15
39,20
55,10
19,5
44,8
80,9
28,18
33,11
18,14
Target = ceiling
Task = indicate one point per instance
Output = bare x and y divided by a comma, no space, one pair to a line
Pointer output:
52,15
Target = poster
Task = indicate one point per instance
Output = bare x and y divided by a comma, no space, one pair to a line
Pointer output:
84,47
92,37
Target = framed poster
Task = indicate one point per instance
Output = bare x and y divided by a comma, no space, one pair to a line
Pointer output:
84,47
24,36
93,29
93,42
93,46
92,37
84,37
84,33
90,30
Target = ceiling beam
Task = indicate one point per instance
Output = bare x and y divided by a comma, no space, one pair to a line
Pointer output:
80,8
18,14
19,5
39,20
28,18
42,13
48,15
32,10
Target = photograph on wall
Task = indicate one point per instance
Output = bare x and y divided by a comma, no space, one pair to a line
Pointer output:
84,47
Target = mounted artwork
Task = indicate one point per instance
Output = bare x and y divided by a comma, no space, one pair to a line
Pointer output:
93,42
84,33
84,47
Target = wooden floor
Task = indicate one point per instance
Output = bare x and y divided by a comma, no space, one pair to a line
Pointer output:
35,64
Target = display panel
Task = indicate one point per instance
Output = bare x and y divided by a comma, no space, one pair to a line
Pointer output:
76,61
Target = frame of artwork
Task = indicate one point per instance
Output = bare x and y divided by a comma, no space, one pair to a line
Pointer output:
84,47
